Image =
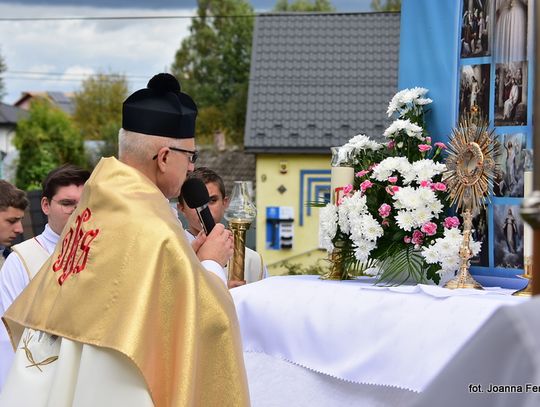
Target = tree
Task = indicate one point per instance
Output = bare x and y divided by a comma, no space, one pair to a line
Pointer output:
213,64
45,139
386,5
304,5
98,105
3,68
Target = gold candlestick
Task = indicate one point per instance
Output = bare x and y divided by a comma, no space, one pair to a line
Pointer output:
527,274
239,228
240,213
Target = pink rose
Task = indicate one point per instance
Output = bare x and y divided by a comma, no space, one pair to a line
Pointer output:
407,239
425,184
393,180
391,144
440,145
439,186
384,210
347,189
365,185
361,173
417,237
429,228
424,147
451,222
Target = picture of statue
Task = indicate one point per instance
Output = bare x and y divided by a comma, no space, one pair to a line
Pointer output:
508,228
511,94
474,89
511,164
510,36
475,22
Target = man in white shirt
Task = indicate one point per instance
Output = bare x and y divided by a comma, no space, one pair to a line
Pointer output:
61,193
254,268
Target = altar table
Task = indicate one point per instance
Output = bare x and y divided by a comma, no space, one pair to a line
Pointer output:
312,342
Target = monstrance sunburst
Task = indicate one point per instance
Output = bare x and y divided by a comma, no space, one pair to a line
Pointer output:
471,169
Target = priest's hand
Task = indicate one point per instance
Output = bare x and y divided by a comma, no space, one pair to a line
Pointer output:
217,246
235,283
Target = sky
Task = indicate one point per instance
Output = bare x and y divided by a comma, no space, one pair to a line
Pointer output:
58,55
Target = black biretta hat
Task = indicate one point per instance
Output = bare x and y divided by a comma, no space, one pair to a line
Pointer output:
161,109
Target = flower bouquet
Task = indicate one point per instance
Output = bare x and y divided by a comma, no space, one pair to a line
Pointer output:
391,222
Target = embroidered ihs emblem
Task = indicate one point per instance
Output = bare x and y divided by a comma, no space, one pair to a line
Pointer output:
75,248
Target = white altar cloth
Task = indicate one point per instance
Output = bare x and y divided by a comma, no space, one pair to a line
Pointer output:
354,331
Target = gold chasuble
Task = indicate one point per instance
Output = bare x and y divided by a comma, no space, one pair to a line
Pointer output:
124,277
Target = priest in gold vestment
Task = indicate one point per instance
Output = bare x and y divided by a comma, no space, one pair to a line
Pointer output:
124,313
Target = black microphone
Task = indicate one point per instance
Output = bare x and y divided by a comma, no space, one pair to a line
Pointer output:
196,196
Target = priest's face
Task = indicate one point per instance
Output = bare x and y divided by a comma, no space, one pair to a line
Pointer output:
10,225
180,162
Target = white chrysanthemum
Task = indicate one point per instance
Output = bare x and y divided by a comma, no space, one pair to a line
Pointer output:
389,166
435,207
430,254
411,129
362,249
422,216
453,233
406,100
426,195
445,251
371,229
358,143
351,207
328,221
409,198
425,170
405,220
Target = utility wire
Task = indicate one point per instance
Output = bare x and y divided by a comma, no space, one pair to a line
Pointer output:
171,17
96,18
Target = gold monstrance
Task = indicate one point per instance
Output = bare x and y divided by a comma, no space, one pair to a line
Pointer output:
470,172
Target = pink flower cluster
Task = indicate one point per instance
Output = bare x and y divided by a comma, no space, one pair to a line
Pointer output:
429,228
451,222
384,210
435,186
424,147
366,185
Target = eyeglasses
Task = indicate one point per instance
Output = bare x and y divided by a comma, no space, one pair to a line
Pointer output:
67,205
192,157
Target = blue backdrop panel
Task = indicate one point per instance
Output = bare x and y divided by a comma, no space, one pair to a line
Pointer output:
429,42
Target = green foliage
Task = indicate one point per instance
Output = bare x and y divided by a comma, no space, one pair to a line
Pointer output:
45,139
3,68
213,63
98,106
386,5
304,5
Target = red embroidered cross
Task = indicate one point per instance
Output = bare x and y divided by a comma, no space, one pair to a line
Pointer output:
75,248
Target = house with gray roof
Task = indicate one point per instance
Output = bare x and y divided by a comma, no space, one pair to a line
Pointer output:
316,80
63,100
9,116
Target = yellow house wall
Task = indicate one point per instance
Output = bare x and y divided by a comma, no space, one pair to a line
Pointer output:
269,178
